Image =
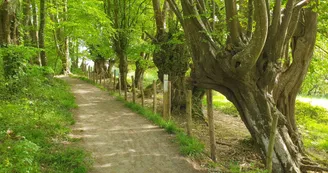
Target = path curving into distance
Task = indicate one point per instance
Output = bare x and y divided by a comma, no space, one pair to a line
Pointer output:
119,140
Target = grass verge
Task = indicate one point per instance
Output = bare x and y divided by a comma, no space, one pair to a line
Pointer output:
35,123
312,121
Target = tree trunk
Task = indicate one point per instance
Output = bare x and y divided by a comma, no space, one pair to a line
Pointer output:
285,93
27,22
41,32
123,67
197,104
140,69
34,34
254,78
100,67
5,24
170,58
66,61
111,63
75,54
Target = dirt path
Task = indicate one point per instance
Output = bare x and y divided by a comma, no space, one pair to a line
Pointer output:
121,141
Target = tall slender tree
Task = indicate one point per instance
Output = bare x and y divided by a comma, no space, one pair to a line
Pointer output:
42,32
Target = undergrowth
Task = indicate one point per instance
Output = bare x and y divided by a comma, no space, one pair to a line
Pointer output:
35,118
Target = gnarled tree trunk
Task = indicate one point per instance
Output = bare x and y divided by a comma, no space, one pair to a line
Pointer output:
256,73
169,57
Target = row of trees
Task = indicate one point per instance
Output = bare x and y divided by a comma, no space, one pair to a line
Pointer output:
255,52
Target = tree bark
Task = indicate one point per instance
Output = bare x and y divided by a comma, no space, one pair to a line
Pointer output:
123,67
111,63
254,78
5,23
27,22
41,32
140,69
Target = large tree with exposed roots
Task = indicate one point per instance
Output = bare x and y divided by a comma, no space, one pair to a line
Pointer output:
259,68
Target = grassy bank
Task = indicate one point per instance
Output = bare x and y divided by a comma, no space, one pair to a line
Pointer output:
35,119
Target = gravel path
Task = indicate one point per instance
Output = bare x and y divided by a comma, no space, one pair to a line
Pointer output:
121,141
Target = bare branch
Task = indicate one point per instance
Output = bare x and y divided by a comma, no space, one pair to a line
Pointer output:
232,21
150,36
321,48
276,18
250,18
175,9
281,37
244,60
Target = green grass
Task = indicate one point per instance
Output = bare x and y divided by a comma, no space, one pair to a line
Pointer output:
235,167
35,121
313,123
188,145
222,104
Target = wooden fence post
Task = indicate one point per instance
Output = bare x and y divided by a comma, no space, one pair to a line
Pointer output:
272,141
154,97
97,77
114,85
169,95
109,81
119,85
165,97
125,90
88,72
142,94
100,78
189,112
211,123
133,90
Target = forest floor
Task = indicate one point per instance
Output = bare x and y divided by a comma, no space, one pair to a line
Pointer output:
119,140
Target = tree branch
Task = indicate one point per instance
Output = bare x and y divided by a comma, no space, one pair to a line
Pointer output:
275,19
280,38
321,48
250,18
175,9
150,36
244,60
232,21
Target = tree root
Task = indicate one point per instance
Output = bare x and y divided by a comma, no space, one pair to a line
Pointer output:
316,168
308,165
